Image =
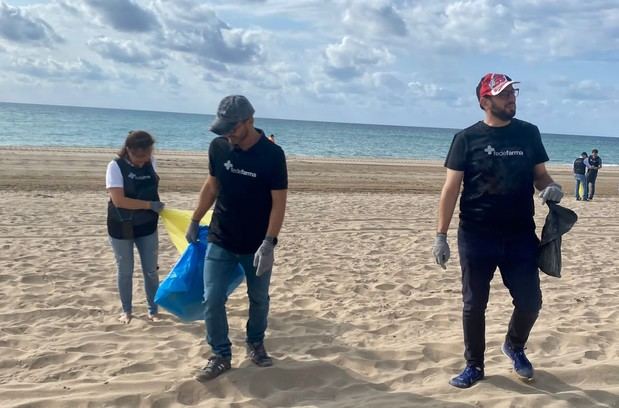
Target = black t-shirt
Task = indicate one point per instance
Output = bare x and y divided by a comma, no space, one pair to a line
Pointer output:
246,178
596,162
498,165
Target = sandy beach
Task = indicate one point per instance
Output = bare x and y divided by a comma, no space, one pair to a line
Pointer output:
360,314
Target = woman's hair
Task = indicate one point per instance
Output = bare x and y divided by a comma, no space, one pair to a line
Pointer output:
136,140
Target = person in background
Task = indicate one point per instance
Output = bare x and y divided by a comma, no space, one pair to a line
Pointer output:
498,161
132,215
272,137
580,167
595,163
248,183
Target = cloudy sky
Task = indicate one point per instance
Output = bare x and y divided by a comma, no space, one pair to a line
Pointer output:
401,62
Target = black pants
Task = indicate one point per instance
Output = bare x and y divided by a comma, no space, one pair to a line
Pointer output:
516,257
591,177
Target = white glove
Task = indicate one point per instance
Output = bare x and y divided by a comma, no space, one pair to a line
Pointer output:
440,250
552,192
264,258
192,231
157,206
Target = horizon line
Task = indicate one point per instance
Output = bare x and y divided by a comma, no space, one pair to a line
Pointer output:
268,118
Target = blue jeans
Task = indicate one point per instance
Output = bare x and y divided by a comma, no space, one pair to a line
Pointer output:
148,247
218,267
581,179
516,257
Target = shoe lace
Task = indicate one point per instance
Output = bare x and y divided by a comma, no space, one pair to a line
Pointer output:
471,371
520,356
215,363
258,350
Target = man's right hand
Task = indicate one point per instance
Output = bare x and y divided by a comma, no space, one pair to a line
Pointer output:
552,192
440,249
192,232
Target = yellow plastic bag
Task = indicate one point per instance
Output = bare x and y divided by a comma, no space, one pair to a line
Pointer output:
176,223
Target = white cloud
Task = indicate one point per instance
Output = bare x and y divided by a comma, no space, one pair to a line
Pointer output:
590,90
128,52
387,80
181,12
18,26
378,18
421,90
164,81
195,29
209,44
124,15
351,58
50,69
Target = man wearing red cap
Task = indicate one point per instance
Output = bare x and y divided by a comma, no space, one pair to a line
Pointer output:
498,161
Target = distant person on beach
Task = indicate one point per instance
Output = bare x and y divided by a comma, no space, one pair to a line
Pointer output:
498,160
595,163
132,215
580,167
248,183
272,137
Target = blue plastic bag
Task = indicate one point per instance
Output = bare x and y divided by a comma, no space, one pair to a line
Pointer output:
182,291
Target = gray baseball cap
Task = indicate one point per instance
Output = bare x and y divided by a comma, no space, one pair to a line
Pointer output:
232,110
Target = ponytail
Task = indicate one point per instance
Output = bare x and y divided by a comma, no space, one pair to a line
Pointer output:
136,140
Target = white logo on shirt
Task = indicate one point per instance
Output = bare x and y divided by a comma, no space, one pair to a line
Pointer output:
133,176
492,152
230,167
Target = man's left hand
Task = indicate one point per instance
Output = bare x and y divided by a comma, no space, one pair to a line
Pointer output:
552,192
264,257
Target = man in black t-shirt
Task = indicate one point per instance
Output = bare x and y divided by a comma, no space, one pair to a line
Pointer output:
498,161
248,184
595,163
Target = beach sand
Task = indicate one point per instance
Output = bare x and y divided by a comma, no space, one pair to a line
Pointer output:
360,315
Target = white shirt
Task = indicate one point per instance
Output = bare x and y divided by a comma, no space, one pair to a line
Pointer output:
114,177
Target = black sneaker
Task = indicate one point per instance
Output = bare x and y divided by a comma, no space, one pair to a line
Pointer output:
257,353
216,365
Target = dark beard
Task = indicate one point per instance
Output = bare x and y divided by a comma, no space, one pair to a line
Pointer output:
503,114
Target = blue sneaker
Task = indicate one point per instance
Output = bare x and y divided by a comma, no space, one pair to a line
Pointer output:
468,377
522,366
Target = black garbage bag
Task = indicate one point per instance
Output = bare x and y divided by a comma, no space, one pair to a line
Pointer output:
558,221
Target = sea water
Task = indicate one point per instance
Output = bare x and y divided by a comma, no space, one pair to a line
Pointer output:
66,126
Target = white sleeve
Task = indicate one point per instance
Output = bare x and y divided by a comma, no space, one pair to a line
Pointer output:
113,176
153,162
